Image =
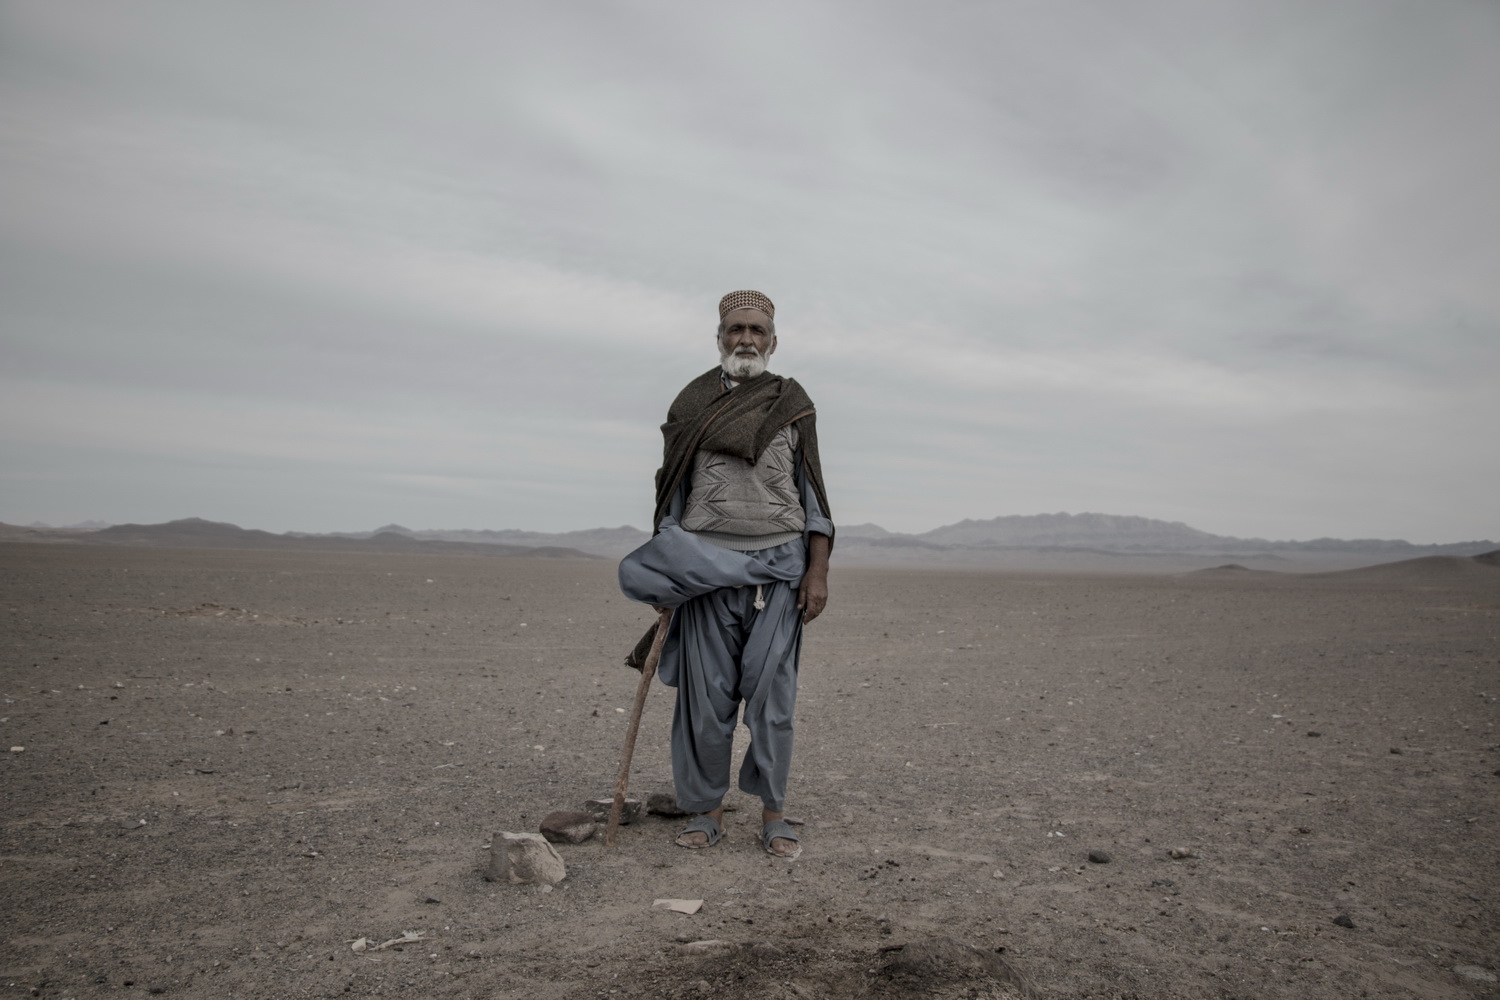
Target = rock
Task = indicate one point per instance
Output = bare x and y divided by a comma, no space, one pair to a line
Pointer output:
1314,733
1343,921
525,858
705,947
598,809
1474,972
1100,857
1182,852
688,906
664,804
567,826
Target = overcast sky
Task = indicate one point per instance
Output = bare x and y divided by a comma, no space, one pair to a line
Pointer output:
324,266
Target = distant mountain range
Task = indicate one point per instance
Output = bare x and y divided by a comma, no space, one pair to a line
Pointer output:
196,533
1037,541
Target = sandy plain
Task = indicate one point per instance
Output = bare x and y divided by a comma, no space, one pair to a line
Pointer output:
236,763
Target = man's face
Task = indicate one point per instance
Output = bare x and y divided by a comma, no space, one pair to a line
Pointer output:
746,343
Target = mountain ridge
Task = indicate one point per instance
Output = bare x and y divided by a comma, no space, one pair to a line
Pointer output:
1058,539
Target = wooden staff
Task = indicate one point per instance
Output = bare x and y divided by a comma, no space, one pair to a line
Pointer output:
622,779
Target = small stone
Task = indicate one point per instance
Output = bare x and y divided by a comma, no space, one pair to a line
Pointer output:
432,900
525,858
599,809
1182,852
664,804
1395,749
1314,733
1343,921
705,947
567,826
1474,972
1100,857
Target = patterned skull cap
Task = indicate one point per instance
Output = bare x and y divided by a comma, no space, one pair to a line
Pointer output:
746,299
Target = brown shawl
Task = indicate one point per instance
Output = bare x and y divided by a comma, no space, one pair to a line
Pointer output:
739,421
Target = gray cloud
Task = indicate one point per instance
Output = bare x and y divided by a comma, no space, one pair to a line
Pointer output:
312,266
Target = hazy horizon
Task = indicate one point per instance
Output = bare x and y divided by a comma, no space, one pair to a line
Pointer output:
96,523
307,266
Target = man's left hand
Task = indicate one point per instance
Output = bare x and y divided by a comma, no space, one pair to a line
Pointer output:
812,592
812,596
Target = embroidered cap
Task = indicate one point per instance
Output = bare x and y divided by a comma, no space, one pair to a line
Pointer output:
746,299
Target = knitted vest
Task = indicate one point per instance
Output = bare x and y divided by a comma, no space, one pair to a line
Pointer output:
744,505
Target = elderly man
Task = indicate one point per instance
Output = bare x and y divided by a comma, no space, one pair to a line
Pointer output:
740,551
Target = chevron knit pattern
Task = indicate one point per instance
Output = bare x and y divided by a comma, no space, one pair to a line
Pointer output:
732,496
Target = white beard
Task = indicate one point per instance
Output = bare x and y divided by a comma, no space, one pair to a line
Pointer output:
742,366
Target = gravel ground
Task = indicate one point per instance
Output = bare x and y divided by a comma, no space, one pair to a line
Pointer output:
225,767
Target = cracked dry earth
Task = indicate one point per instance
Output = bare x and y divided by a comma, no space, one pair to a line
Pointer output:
224,767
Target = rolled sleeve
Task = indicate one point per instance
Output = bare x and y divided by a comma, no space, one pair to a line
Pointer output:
816,522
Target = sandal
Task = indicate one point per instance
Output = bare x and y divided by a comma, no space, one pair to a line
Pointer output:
706,825
780,829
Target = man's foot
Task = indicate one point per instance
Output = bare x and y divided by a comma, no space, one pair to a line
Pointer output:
705,831
777,837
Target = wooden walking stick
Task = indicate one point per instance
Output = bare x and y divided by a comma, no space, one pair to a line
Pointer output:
622,779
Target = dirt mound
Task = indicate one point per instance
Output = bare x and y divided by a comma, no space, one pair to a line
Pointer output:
1426,570
816,965
1233,571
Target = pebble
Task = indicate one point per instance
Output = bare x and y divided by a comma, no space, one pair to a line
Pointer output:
1099,857
704,947
1314,733
1474,972
599,809
1343,921
1182,852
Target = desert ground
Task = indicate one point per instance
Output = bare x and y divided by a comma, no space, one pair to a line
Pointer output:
225,767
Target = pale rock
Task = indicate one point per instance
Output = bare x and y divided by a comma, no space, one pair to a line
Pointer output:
525,858
1477,973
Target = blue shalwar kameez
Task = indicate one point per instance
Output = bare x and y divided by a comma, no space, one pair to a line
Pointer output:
735,637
